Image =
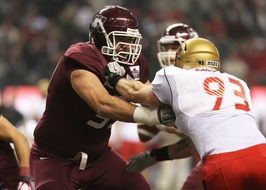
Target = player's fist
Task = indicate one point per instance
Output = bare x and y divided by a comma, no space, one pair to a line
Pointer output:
113,72
166,115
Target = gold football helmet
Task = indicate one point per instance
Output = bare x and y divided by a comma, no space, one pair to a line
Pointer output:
198,52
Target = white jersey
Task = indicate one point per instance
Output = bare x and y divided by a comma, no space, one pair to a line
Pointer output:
213,108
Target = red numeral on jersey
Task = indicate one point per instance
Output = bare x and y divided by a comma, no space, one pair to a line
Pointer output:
240,94
215,87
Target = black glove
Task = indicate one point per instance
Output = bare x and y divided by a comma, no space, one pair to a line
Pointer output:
166,115
113,73
26,183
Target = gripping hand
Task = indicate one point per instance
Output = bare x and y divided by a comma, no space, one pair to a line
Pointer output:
140,162
113,73
166,115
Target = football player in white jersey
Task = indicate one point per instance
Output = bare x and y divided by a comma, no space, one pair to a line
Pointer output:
214,110
173,36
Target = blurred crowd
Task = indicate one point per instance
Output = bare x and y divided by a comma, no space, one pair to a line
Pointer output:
34,34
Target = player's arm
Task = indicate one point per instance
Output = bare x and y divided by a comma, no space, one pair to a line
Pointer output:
133,91
136,91
90,89
181,149
9,133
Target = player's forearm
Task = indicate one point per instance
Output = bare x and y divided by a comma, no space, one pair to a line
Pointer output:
136,91
181,149
129,89
114,108
22,149
121,110
9,133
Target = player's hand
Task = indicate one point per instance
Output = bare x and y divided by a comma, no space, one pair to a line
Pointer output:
166,115
140,162
170,129
26,183
113,73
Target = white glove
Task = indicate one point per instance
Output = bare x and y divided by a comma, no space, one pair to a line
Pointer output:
140,162
154,115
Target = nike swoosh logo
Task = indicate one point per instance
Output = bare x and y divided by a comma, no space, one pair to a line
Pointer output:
44,158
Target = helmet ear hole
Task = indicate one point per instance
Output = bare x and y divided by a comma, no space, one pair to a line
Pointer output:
185,47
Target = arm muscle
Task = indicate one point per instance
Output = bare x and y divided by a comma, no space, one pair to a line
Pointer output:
136,91
90,89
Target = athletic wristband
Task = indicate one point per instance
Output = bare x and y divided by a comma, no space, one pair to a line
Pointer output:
160,154
147,115
24,171
114,80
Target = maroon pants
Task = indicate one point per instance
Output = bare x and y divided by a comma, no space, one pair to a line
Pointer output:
106,173
9,171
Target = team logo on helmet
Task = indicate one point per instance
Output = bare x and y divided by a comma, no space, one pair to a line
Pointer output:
97,20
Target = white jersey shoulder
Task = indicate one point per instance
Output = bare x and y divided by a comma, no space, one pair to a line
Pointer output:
202,92
214,109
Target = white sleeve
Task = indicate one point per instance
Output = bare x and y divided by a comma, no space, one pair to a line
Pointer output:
161,87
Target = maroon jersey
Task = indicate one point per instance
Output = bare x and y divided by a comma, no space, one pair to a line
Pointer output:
69,125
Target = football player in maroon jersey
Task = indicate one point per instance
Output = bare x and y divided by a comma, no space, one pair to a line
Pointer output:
13,174
71,139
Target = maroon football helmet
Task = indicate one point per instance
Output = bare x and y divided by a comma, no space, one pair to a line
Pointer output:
171,39
114,30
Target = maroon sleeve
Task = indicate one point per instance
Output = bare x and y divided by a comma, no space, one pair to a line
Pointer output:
144,69
85,56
